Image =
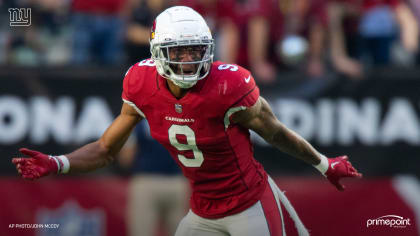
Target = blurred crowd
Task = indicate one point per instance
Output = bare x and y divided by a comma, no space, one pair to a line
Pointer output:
314,37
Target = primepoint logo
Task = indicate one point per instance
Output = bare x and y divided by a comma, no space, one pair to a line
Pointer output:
392,221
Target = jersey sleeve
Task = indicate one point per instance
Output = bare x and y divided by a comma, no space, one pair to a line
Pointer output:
133,84
243,93
250,94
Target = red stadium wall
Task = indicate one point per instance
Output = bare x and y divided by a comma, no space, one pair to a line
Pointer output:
97,206
326,211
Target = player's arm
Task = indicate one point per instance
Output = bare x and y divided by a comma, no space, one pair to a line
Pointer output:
87,158
261,119
102,152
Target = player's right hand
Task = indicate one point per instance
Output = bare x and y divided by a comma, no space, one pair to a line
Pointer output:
36,166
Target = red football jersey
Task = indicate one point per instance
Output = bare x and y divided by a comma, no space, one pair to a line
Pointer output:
214,154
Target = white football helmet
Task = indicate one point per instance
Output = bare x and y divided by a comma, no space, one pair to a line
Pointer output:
181,26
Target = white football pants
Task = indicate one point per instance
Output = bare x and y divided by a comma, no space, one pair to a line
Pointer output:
264,218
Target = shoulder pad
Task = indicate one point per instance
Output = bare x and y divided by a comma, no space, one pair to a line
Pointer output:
139,81
235,82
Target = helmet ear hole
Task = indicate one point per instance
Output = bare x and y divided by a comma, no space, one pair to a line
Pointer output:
165,53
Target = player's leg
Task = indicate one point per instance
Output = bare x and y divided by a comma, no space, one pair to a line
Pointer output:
82,38
252,221
177,201
263,218
112,38
288,212
142,215
192,225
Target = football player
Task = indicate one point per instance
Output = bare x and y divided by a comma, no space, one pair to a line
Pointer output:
201,111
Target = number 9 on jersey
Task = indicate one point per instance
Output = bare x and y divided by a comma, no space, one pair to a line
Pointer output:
191,145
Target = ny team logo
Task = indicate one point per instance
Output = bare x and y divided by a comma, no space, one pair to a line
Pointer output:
20,16
392,221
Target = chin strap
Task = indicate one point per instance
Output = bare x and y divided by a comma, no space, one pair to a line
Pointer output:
184,84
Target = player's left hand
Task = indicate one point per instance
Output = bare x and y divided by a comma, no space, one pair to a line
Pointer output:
338,168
